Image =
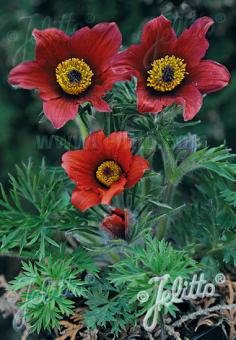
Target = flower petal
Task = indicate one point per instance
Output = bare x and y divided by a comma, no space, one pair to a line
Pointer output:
129,63
115,225
114,190
83,199
81,165
157,39
101,84
209,76
137,169
191,99
30,75
192,44
186,95
99,104
94,142
52,47
60,111
147,101
118,212
97,45
117,147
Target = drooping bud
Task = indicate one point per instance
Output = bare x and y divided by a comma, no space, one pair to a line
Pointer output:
185,147
117,223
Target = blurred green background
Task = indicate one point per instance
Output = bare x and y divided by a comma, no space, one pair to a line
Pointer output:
22,136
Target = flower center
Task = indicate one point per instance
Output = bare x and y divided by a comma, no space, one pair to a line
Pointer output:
108,172
166,73
74,75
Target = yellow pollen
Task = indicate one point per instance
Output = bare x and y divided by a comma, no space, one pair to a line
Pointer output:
166,73
74,76
108,172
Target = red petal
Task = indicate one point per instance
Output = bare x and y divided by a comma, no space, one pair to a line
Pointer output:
209,76
186,95
191,99
83,200
60,110
157,39
117,147
129,63
114,190
94,142
192,44
119,212
80,165
52,47
138,166
147,101
100,86
97,45
30,75
114,225
99,104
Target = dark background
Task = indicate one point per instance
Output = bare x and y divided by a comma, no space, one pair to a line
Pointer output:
21,134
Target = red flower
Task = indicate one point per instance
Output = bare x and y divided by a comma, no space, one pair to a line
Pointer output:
170,69
103,169
116,223
69,71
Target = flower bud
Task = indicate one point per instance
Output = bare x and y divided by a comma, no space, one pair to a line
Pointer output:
185,147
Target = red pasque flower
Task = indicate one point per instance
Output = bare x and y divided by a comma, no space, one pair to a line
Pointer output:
103,169
69,71
117,223
170,69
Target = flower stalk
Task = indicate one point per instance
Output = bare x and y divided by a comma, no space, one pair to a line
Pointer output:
169,171
82,127
164,222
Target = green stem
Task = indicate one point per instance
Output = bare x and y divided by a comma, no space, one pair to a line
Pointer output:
164,222
17,256
82,127
169,170
147,182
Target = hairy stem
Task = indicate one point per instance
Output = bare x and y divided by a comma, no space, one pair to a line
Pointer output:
170,167
145,144
82,127
164,222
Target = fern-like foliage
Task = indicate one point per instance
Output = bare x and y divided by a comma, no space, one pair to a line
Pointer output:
107,309
37,212
206,228
26,213
229,196
144,262
217,160
46,289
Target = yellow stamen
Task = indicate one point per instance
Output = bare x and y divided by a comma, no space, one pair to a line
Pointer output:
166,73
108,172
74,75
